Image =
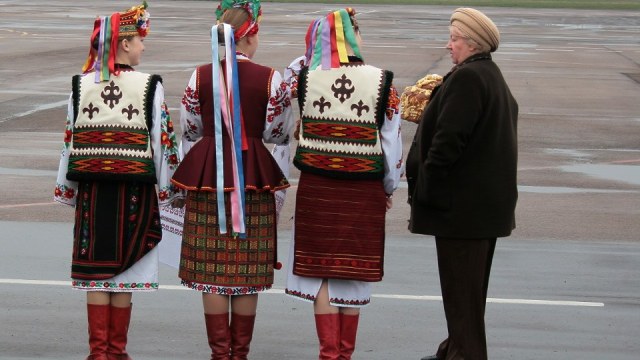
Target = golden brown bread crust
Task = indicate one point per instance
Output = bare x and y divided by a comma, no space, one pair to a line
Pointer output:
416,97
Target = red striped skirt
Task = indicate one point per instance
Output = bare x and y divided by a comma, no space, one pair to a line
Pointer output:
339,228
116,224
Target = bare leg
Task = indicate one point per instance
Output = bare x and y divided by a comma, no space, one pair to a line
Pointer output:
121,300
215,304
98,298
322,305
244,304
349,311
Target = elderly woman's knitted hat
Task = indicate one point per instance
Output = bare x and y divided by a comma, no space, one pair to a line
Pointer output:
476,26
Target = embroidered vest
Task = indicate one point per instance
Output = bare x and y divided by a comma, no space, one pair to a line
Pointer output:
111,129
342,111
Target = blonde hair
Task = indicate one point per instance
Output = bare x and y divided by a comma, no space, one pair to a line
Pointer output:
235,17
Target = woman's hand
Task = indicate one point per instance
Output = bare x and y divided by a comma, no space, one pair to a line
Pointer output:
177,203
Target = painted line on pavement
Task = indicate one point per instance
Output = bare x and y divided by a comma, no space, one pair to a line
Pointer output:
380,296
27,205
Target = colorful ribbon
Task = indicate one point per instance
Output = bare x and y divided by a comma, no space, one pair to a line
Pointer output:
327,40
226,108
103,59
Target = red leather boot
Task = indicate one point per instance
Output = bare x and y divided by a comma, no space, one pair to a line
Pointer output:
348,332
98,316
118,330
241,334
328,329
219,335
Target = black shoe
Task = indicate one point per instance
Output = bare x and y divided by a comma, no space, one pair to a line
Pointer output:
430,357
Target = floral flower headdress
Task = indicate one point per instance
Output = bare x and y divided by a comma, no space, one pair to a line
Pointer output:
250,27
106,32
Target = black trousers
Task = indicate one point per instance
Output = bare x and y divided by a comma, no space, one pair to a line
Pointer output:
464,266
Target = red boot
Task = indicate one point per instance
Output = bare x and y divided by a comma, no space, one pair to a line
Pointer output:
241,334
118,330
218,335
98,316
328,329
348,331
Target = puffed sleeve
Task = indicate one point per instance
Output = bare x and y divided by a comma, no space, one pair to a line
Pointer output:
279,120
190,115
291,74
165,148
391,139
66,190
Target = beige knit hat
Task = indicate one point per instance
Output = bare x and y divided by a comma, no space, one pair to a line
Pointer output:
476,26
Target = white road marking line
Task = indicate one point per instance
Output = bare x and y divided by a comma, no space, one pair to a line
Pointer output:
380,296
27,205
35,110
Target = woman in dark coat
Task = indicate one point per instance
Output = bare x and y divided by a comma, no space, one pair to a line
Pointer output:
461,171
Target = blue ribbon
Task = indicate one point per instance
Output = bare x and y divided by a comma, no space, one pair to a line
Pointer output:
237,125
217,116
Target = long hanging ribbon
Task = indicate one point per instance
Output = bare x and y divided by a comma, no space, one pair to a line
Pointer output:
105,61
114,30
227,109
340,43
217,123
335,59
310,40
233,127
91,58
327,41
326,44
238,196
101,40
317,46
350,33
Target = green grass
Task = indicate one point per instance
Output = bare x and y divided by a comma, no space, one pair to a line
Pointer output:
554,4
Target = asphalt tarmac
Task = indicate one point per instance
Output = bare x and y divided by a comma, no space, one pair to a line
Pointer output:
565,285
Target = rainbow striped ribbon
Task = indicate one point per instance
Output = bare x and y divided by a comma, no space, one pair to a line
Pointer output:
328,39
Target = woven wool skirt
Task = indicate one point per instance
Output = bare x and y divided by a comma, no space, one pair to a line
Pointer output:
339,228
117,228
227,264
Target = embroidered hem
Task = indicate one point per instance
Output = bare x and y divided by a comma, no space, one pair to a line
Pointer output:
332,301
109,286
225,290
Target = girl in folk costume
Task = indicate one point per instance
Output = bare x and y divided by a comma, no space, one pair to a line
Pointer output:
119,146
350,157
229,109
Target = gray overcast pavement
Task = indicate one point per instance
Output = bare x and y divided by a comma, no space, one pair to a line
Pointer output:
564,285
